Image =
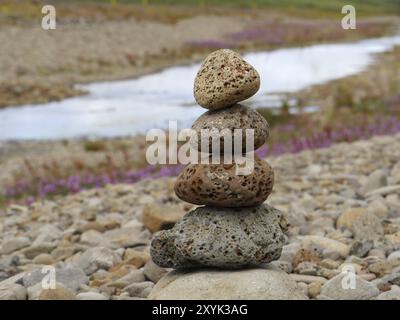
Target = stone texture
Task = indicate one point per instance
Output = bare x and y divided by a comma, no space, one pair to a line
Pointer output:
221,237
224,79
235,117
218,184
247,284
14,244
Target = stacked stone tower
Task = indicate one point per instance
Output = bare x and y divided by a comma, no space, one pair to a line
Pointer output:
232,228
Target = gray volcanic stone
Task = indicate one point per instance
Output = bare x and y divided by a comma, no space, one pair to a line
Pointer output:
235,117
218,184
247,284
221,237
224,79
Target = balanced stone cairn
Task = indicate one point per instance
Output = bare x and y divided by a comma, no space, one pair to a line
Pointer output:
232,228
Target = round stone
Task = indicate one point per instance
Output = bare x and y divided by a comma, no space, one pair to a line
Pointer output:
221,237
224,79
219,185
224,122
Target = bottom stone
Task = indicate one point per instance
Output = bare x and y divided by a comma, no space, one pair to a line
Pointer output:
221,237
249,284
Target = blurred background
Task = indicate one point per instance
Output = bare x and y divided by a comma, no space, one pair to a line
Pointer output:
76,102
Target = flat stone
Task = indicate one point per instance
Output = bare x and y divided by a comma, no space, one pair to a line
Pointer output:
232,118
362,290
224,79
14,244
209,284
59,293
221,237
136,258
218,185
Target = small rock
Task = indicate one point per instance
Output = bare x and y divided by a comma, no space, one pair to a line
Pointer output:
314,289
136,258
380,268
224,79
363,290
34,250
60,292
97,258
367,227
141,289
361,248
375,180
43,258
153,272
326,243
394,258
14,244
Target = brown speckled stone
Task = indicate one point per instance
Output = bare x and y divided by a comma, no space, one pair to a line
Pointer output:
224,79
219,185
221,237
235,117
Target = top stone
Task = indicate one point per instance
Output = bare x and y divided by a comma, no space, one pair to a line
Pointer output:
224,79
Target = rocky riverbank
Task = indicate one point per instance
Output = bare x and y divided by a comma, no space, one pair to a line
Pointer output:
342,203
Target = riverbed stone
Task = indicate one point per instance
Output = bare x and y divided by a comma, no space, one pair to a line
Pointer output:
228,120
221,237
218,184
97,258
210,284
224,79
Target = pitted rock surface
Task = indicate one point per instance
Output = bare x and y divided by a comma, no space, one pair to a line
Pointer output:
221,237
235,117
224,79
219,185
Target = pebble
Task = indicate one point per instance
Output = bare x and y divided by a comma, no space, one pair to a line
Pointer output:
326,243
153,272
97,258
44,259
140,290
314,289
60,292
221,237
218,184
224,79
394,258
136,258
392,294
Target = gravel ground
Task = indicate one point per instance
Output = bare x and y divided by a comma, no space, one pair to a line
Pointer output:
342,204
